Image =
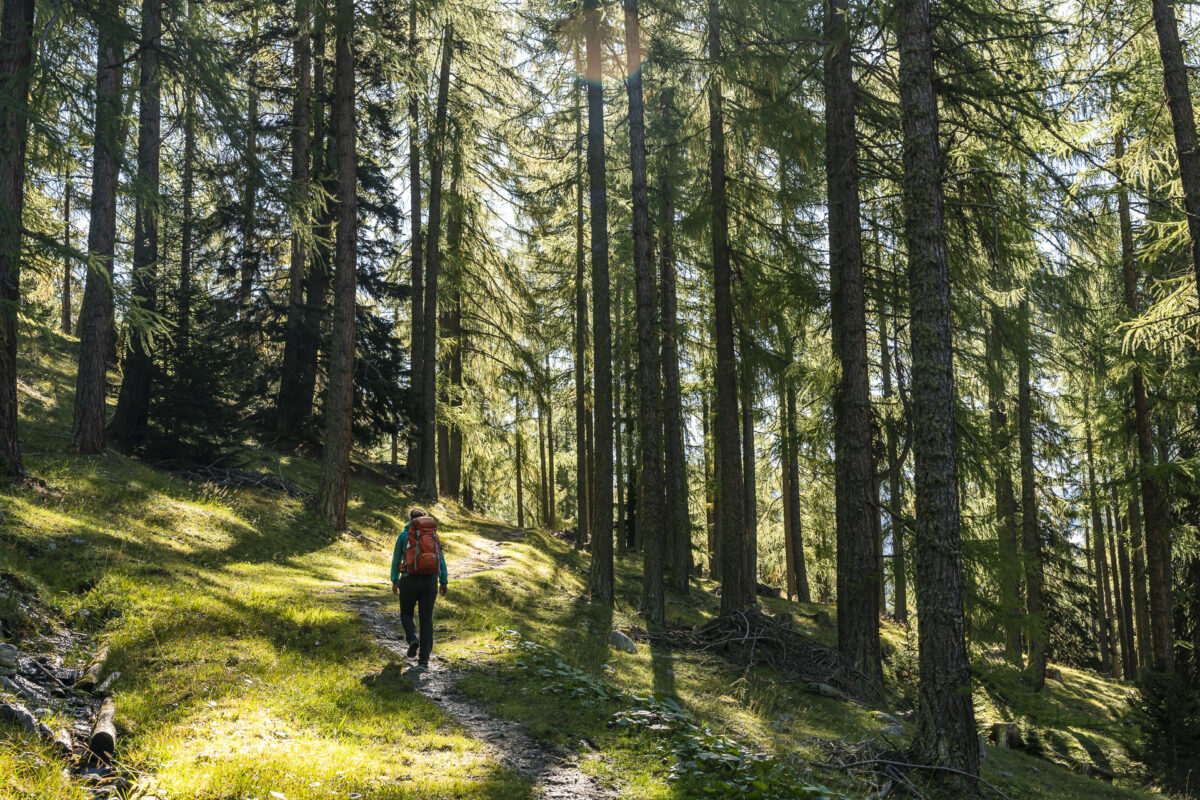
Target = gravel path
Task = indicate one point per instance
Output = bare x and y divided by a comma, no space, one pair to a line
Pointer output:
555,774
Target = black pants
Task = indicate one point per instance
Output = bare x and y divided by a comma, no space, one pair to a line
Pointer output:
418,591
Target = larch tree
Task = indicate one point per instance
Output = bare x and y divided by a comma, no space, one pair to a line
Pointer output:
16,64
96,314
858,568
945,722
132,414
600,580
334,492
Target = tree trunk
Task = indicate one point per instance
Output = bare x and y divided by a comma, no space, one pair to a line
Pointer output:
1158,535
1103,602
1141,611
582,472
649,499
417,353
676,519
551,488
1037,633
454,229
1183,123
334,491
749,467
858,569
945,733
895,519
600,581
736,590
96,313
427,425
65,324
543,484
16,70
794,539
248,257
619,422
320,268
183,321
132,415
710,528
1010,570
520,467
288,411
1125,596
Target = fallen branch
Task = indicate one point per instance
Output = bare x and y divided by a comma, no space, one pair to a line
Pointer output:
907,765
228,476
754,638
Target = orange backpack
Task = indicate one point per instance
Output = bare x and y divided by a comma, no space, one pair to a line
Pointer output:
423,550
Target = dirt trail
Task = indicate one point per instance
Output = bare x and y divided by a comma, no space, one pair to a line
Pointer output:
555,774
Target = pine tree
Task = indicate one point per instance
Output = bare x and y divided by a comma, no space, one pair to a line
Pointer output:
96,315
16,63
945,733
334,491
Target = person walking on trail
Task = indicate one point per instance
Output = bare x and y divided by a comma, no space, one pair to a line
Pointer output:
418,567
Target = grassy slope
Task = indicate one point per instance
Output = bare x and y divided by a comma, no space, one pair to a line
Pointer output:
245,674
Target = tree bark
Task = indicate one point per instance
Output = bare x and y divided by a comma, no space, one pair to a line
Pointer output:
417,353
600,581
795,535
582,471
16,70
736,590
1183,124
183,322
427,426
130,420
248,256
945,734
334,491
1009,543
749,466
1141,602
1158,534
65,323
289,412
452,482
895,518
649,499
1037,633
543,483
96,314
677,524
710,527
1103,602
1120,557
858,569
320,267
520,466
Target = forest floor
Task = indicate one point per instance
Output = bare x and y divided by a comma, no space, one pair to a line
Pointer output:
255,664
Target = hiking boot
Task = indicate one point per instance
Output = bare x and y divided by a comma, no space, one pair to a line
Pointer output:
413,647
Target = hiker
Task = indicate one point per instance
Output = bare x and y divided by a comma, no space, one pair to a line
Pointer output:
418,566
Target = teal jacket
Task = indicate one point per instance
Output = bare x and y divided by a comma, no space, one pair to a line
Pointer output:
398,558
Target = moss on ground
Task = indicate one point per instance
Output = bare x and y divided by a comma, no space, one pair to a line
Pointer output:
244,673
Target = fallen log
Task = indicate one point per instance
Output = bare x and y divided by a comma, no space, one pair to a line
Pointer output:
91,676
103,741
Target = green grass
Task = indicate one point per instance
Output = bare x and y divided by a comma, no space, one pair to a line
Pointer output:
244,673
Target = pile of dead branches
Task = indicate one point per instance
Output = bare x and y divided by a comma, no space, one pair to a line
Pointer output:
214,475
753,638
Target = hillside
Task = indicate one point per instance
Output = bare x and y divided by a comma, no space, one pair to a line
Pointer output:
254,662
